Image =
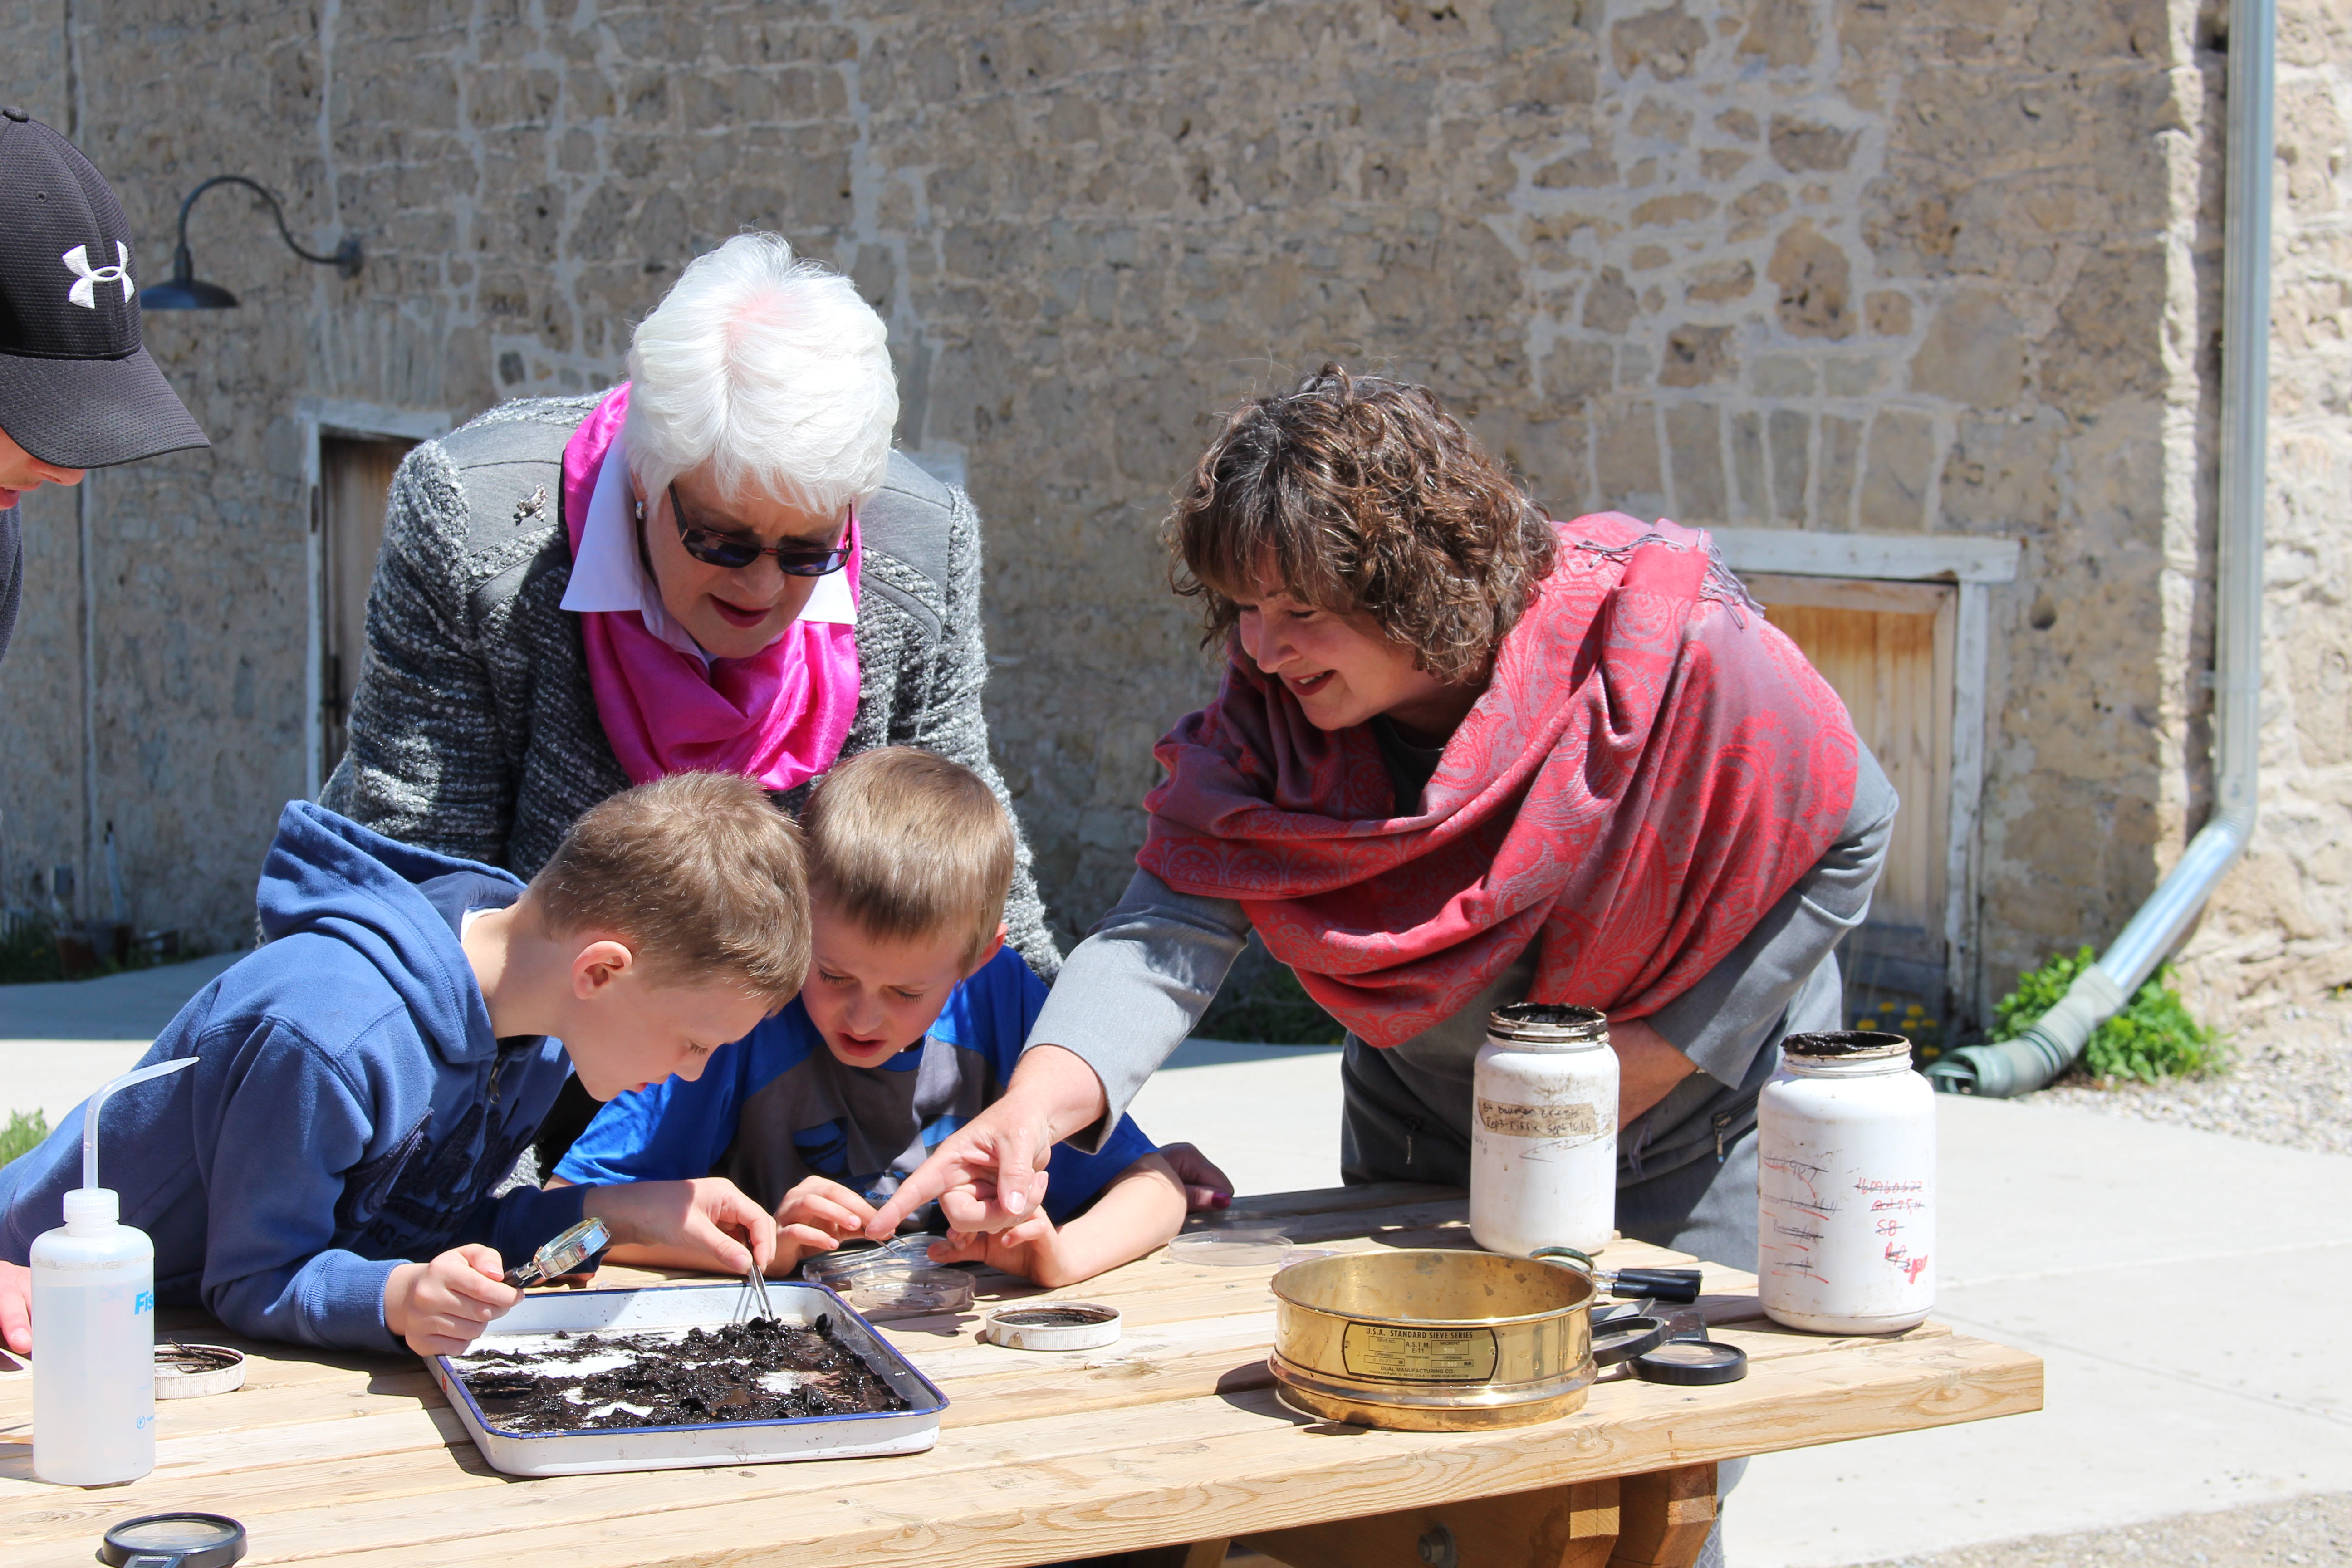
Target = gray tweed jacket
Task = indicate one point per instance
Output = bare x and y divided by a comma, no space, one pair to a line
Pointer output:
474,730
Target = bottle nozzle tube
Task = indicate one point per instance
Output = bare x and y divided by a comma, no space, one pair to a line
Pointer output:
90,1112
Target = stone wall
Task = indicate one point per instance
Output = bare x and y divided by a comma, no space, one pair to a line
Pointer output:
1883,265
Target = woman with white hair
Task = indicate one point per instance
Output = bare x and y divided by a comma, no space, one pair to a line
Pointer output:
720,566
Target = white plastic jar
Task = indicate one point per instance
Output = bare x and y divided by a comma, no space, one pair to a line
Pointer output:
1845,1185
1543,1131
94,1324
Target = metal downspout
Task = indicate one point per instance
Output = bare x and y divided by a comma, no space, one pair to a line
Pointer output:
2046,1048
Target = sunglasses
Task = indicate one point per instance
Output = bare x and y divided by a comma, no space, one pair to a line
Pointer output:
734,552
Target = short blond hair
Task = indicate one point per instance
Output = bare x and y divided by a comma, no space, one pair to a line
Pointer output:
910,845
702,874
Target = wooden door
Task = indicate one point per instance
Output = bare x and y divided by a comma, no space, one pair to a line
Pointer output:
355,478
1886,649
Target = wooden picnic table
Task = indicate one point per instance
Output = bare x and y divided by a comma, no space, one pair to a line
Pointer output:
1169,1444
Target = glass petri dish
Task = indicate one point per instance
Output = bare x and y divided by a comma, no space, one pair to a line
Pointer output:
835,1268
904,1287
1231,1247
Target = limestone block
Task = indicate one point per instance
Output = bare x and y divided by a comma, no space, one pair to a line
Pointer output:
1887,313
1695,445
1781,31
1717,282
1896,472
1800,145
1789,435
1666,41
2108,342
1815,279
1841,465
1971,353
1625,459
1696,355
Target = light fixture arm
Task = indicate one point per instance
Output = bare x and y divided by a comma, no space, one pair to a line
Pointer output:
346,261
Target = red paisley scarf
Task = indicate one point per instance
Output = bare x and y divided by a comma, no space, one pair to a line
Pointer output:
1651,767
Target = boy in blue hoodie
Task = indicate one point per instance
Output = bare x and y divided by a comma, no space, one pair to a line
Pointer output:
909,1022
328,1172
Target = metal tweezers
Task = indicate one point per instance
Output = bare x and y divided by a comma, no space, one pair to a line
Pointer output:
754,1304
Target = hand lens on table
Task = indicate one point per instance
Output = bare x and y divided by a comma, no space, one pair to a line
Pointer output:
174,1541
1656,1345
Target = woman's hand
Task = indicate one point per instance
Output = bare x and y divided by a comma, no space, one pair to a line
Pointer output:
706,1223
990,1174
442,1307
1648,1067
1205,1187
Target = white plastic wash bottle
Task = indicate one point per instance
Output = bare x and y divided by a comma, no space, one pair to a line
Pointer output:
1846,1200
1543,1131
94,1329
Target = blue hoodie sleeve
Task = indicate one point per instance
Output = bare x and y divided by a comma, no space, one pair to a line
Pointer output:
289,1132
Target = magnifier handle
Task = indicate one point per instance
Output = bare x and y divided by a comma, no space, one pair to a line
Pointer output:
1681,1285
154,1560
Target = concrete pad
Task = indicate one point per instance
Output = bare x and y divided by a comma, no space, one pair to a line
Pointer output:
133,1006
1269,1115
52,1077
2181,1288
58,1042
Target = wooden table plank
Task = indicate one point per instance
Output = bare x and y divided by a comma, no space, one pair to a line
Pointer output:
1171,1437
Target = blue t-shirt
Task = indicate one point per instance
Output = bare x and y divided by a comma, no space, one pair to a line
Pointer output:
777,1106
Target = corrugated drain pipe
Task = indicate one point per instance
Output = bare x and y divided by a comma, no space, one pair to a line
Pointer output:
2046,1048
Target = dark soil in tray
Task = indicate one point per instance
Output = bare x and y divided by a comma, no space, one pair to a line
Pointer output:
711,1375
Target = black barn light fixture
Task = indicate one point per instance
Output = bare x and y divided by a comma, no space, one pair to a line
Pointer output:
184,291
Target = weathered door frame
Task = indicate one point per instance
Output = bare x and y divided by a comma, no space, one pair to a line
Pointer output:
321,417
1974,564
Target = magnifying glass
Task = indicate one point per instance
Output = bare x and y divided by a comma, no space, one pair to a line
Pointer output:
174,1541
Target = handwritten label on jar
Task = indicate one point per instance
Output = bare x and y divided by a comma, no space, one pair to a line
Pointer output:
1418,1356
1576,1120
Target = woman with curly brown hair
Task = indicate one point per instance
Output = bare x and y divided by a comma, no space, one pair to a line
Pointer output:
1464,756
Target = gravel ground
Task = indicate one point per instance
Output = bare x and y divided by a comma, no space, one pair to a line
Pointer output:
2291,1083
2314,1531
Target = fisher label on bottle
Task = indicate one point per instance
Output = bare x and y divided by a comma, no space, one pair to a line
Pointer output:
1418,1356
1579,1118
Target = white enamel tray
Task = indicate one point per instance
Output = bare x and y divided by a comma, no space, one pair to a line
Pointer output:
593,1450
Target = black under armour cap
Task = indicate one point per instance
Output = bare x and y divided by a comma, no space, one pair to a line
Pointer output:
76,387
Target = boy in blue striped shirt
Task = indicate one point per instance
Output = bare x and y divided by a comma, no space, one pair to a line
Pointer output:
910,1020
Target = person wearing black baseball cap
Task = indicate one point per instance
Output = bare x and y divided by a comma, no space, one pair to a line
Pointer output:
77,390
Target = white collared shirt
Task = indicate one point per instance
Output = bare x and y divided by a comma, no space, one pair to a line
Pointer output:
608,574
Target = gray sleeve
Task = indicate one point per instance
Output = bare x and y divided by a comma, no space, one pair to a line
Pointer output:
1721,1022
425,765
1130,994
954,725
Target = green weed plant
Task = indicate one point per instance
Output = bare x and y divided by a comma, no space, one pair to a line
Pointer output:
26,1129
2153,1039
1275,1010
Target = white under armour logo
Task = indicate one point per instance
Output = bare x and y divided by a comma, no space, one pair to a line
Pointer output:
85,290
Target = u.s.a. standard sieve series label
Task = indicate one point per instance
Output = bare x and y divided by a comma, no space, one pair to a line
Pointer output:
1418,1356
1580,1119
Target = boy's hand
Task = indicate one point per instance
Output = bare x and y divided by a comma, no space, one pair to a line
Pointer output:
814,1217
1205,1187
1032,1250
827,1205
707,1223
440,1306
16,1308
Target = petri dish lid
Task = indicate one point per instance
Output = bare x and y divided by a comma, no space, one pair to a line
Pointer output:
1053,1326
1231,1247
